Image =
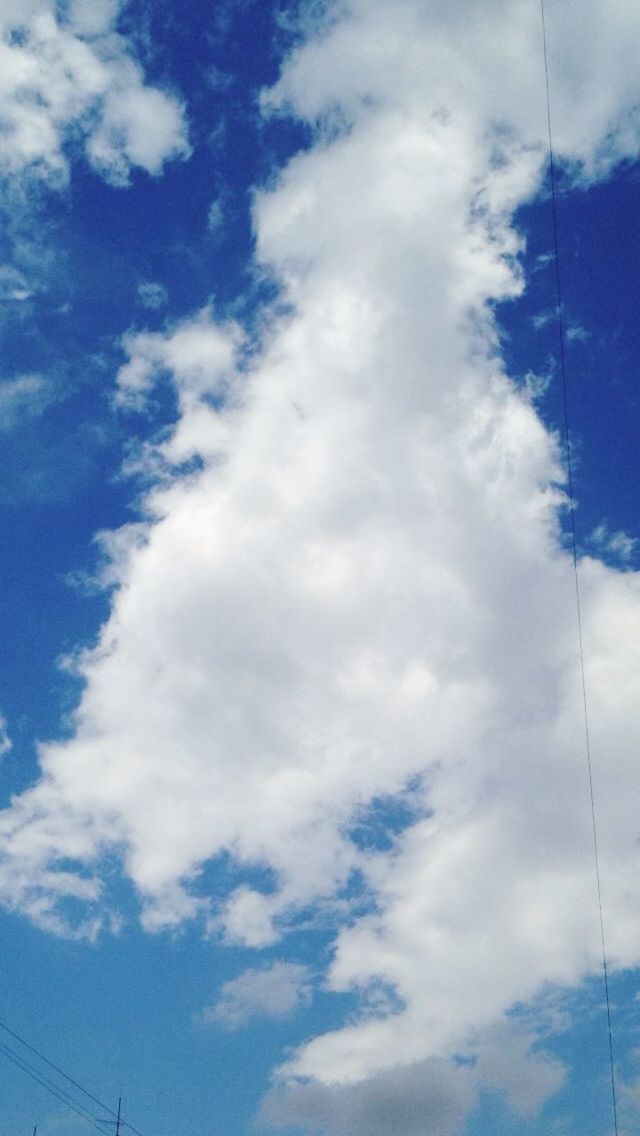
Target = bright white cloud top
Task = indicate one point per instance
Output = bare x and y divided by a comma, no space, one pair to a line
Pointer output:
350,581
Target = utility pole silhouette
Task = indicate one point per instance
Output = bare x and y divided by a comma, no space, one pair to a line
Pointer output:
118,1121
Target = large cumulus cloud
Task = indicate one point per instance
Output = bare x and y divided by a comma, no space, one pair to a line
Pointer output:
350,582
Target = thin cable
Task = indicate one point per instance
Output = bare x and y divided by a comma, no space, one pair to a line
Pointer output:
55,1091
574,551
61,1073
46,1083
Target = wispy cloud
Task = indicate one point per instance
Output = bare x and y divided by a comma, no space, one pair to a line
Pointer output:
574,332
216,217
5,740
577,334
14,286
152,295
26,396
618,544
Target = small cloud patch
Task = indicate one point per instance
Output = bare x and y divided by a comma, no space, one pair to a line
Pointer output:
152,295
275,991
216,217
23,397
5,740
617,545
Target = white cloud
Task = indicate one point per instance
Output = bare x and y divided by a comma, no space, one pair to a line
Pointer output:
351,578
14,285
64,79
274,991
246,918
140,126
577,334
573,332
543,319
152,295
200,355
216,217
23,397
481,61
92,17
617,544
5,740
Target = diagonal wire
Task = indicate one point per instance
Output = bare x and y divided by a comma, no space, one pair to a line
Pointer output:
49,1085
61,1073
574,550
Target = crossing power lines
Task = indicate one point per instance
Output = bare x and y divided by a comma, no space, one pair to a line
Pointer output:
24,1056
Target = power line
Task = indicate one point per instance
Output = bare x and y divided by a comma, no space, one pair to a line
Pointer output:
66,1076
49,1085
574,551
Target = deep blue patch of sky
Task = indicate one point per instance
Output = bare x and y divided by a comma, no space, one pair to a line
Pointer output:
599,245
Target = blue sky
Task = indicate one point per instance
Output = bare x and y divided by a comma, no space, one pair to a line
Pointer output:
295,830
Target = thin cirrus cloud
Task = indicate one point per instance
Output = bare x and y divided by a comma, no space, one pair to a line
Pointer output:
350,582
26,396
